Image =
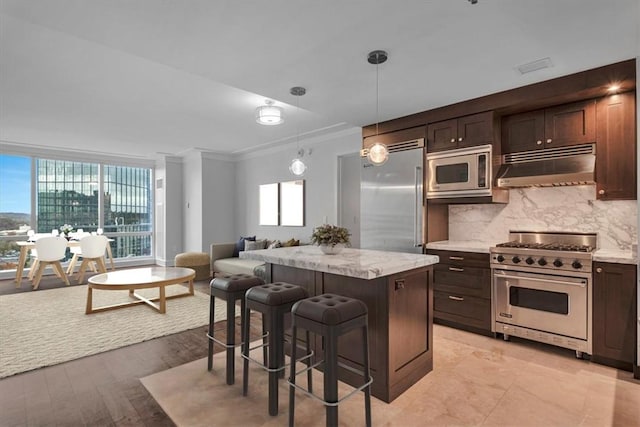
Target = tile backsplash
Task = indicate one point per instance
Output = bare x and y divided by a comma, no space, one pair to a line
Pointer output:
566,209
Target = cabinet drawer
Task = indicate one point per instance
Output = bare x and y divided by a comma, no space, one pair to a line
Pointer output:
471,281
465,310
465,259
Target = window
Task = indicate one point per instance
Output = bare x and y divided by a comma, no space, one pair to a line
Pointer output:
15,207
88,196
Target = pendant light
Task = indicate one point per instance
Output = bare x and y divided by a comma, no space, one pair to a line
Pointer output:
297,166
269,114
378,152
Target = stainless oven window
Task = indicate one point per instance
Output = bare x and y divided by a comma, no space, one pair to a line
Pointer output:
535,299
453,173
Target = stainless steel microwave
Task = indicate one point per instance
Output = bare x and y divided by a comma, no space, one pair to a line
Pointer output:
465,172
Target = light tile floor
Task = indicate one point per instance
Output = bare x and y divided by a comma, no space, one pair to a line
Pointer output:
476,380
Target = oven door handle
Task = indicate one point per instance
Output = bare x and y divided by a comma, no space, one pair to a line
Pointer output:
534,279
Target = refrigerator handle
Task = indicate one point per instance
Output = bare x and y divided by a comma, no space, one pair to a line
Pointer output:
417,223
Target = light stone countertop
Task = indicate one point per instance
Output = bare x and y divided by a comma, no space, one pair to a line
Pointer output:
461,246
359,263
615,256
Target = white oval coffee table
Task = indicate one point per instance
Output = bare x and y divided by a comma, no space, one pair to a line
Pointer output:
140,278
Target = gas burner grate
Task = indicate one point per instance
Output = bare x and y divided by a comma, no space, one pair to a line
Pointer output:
554,246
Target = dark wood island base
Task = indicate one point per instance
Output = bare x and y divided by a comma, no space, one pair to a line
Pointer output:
400,324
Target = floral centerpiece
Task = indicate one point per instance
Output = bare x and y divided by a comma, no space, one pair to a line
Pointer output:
66,229
330,238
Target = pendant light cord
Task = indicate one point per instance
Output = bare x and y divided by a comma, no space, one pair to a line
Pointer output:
377,98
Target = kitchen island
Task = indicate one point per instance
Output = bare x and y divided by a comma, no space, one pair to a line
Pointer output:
397,289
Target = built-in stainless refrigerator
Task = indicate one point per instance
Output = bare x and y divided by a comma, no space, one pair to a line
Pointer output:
392,202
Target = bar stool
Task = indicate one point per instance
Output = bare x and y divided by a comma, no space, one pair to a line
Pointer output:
273,300
331,316
231,288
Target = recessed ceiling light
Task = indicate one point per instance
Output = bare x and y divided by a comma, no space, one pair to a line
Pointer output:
613,87
535,65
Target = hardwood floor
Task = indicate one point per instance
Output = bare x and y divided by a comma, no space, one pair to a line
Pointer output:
104,389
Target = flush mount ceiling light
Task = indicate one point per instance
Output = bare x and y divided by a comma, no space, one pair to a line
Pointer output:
378,152
269,114
297,166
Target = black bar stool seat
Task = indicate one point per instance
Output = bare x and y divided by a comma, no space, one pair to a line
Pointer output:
231,288
274,301
331,316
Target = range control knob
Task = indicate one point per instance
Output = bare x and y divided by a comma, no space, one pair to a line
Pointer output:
576,264
529,261
542,262
500,258
515,259
557,263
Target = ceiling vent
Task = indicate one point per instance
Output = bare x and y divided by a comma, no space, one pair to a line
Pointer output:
535,65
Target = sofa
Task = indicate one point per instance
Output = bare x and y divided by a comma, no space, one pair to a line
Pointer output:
224,260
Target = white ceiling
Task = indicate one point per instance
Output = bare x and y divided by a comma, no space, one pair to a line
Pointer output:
138,77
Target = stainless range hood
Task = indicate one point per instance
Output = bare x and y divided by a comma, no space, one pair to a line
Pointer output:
572,165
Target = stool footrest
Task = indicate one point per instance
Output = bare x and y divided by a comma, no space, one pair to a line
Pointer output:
342,365
225,345
261,364
324,402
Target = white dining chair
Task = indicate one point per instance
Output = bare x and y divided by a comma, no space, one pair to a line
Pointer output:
33,236
92,248
76,252
50,251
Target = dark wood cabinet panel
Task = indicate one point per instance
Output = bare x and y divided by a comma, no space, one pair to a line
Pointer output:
408,304
559,126
614,314
476,129
467,131
616,147
400,320
523,132
462,309
442,135
570,124
462,290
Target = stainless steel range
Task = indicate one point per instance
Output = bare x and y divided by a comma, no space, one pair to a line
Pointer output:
542,288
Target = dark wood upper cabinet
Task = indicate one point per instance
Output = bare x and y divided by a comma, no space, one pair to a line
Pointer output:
467,131
568,124
616,147
614,314
523,132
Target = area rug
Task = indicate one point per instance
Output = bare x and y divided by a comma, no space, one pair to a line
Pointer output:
49,327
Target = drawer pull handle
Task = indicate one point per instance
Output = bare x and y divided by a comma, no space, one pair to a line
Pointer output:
456,298
456,269
456,258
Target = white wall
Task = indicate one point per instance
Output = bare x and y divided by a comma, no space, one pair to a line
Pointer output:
168,213
321,180
218,200
192,201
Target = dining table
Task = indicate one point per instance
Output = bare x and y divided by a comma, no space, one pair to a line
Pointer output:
26,245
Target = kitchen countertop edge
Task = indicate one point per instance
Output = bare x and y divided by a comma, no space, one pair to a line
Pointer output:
461,246
359,263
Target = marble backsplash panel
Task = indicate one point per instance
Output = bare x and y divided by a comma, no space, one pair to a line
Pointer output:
566,209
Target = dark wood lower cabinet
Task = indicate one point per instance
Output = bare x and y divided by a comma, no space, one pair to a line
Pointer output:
614,314
462,290
400,324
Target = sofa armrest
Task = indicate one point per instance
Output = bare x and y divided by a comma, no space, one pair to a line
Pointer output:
221,251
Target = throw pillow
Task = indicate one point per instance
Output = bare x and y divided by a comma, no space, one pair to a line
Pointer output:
240,245
291,242
275,244
252,246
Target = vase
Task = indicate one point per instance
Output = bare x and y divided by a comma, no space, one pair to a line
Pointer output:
332,250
